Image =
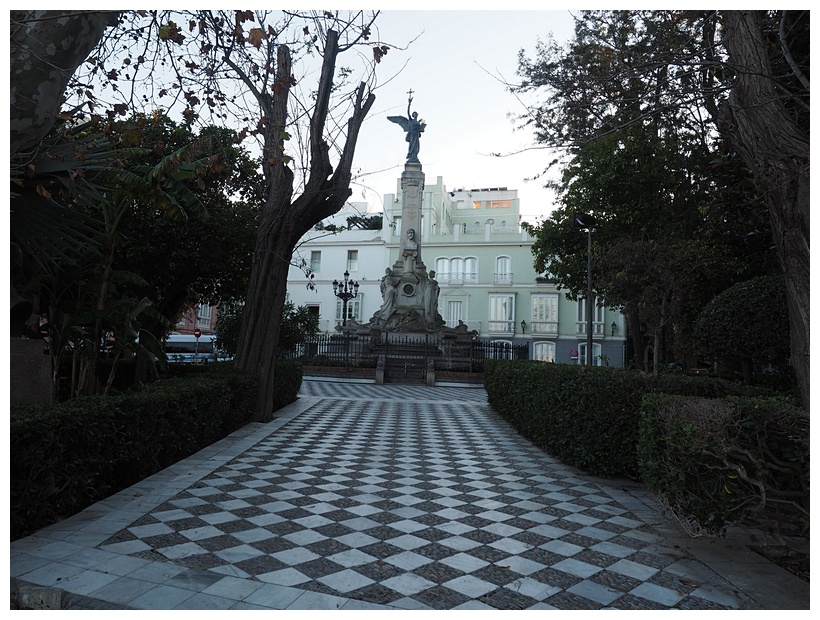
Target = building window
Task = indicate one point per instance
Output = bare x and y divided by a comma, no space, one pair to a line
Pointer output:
476,204
499,204
457,270
544,351
471,270
596,354
315,261
454,315
598,327
354,309
353,260
203,317
396,226
544,315
477,227
502,314
503,271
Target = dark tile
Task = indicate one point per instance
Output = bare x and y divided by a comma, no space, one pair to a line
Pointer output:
319,568
651,559
488,554
507,599
375,593
568,600
379,571
596,558
381,550
438,572
284,527
435,551
260,565
440,597
327,547
273,545
695,603
218,543
165,540
238,525
616,581
628,601
542,556
493,573
482,536
557,578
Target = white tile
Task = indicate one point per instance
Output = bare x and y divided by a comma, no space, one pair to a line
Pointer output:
346,580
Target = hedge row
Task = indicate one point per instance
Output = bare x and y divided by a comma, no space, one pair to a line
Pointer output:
65,457
587,416
717,461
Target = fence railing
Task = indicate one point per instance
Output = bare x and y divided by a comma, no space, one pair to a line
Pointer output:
350,351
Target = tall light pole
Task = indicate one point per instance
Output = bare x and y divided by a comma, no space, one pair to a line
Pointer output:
583,220
345,291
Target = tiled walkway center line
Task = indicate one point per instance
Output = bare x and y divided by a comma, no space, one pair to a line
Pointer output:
372,497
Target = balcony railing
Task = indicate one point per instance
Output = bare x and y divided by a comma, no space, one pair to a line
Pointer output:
544,328
457,278
503,279
598,329
501,327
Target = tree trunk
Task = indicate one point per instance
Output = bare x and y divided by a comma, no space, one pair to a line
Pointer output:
777,151
46,49
283,221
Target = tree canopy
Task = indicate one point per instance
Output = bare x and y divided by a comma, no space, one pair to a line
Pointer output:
635,107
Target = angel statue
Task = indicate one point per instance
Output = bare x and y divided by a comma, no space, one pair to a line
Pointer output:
413,125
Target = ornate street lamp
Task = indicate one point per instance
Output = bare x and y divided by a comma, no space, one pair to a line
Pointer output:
345,291
584,220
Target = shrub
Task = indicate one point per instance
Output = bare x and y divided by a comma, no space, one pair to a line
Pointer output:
718,461
587,416
66,456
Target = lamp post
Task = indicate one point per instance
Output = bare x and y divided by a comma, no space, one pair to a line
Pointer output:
584,220
345,291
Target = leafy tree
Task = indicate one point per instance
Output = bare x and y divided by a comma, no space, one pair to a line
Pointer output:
634,104
238,65
748,323
298,323
767,120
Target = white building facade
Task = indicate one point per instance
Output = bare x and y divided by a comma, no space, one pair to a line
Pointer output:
472,239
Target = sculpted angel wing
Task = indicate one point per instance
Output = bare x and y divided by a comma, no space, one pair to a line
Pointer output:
400,120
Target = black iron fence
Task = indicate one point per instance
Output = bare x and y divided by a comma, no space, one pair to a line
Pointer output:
408,352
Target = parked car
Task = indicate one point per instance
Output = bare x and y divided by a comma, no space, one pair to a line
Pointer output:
188,349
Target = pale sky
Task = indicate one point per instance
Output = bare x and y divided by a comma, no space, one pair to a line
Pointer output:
454,67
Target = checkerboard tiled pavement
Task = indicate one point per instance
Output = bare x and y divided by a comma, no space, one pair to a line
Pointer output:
392,497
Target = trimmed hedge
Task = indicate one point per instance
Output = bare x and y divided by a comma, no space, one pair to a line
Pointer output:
718,461
587,416
65,457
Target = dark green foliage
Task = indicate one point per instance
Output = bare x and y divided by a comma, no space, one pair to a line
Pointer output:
297,324
587,416
746,321
718,461
65,457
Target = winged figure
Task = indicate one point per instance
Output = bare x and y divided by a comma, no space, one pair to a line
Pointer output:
413,126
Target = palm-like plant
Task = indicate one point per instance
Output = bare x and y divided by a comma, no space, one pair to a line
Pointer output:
69,199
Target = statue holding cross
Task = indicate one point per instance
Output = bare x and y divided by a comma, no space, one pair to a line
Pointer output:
414,126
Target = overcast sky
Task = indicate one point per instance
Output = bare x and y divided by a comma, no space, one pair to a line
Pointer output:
454,66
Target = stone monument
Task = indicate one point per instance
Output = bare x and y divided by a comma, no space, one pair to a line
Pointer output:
409,292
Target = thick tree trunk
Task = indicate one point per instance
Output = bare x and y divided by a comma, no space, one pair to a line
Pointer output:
284,220
777,151
46,49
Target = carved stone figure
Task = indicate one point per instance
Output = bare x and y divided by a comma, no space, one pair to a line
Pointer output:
414,126
429,298
410,250
389,291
